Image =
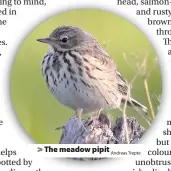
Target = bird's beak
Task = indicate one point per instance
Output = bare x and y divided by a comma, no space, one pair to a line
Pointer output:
45,40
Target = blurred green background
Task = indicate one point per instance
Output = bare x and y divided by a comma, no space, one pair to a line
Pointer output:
36,108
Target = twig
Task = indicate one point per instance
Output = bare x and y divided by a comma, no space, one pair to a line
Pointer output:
125,122
143,66
148,97
147,89
139,71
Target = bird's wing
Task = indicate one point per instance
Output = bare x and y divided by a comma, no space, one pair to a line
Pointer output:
106,63
105,76
122,84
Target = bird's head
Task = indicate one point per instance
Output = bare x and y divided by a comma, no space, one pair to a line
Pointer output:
65,38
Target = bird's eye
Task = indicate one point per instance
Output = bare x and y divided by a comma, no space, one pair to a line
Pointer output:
64,39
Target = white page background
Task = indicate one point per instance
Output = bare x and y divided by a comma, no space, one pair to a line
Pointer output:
12,134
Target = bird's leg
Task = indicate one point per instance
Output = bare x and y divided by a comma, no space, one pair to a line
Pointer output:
97,114
79,113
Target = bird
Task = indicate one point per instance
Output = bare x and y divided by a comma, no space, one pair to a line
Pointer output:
81,74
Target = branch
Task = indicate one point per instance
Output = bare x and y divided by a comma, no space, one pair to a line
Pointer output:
101,131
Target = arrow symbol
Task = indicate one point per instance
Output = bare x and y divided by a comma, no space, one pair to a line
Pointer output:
39,149
1,122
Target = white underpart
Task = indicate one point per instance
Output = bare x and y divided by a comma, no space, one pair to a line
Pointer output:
89,99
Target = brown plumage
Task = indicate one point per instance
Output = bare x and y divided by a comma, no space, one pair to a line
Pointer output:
81,74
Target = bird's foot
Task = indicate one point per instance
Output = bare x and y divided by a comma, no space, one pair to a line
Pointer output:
79,113
96,115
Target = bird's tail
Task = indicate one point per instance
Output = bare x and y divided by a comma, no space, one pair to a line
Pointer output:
134,103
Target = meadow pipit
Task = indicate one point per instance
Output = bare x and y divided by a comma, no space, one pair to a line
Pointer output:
81,74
